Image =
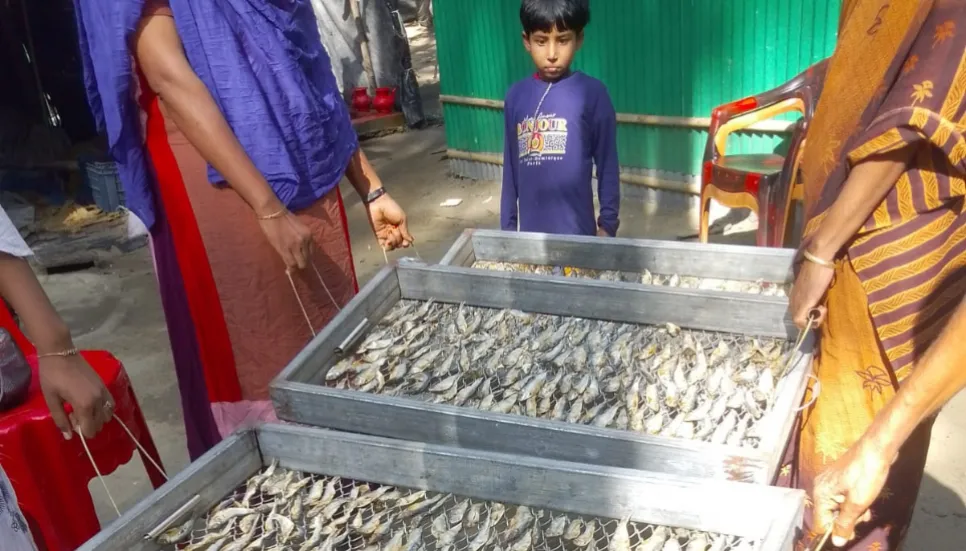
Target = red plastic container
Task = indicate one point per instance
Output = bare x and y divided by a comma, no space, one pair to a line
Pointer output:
385,100
360,100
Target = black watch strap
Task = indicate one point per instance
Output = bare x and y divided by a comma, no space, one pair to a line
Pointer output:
375,194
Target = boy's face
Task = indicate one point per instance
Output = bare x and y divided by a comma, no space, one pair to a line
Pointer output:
553,51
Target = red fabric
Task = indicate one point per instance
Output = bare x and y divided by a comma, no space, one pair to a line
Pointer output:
345,229
50,475
214,342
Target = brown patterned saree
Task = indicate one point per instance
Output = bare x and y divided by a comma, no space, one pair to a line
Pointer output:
897,78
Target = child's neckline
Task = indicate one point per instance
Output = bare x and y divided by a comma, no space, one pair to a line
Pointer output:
565,76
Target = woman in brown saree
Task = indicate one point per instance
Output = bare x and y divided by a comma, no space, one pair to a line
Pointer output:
884,171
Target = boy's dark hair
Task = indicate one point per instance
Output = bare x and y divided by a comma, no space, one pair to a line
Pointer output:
545,15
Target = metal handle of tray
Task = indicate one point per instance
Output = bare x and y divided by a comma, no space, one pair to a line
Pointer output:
172,518
350,341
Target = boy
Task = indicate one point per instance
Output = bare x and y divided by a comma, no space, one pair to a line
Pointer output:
559,124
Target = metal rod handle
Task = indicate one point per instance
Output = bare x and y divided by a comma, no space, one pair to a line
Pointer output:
174,517
350,341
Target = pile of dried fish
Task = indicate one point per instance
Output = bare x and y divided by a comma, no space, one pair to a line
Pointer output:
281,509
658,380
761,287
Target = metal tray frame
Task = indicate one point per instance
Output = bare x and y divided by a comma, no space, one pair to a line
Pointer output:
770,514
300,395
717,261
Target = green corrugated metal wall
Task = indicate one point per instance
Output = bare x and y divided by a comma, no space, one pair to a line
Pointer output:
657,57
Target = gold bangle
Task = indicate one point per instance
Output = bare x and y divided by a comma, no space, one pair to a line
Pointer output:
61,354
816,260
277,214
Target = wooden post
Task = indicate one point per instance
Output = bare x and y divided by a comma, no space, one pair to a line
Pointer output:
363,44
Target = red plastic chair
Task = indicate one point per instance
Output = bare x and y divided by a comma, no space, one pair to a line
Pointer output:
51,475
764,183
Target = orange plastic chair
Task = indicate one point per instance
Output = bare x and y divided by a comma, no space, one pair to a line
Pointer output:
765,183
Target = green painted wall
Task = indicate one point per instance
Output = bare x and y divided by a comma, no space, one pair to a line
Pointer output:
657,57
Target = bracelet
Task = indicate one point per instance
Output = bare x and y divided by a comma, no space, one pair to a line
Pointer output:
816,260
277,214
373,195
61,354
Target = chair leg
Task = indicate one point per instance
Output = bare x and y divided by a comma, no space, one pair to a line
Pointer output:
703,221
143,434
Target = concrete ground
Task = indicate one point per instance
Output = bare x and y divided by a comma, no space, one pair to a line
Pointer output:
116,307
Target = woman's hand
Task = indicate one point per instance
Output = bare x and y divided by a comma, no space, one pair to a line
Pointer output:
388,221
290,238
808,292
70,380
601,232
844,492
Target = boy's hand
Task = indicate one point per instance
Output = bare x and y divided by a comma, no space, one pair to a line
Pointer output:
601,232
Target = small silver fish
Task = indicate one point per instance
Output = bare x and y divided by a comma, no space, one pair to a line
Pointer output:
520,522
177,534
483,536
655,542
249,523
584,539
334,540
620,540
457,513
557,527
445,384
316,537
286,528
415,540
524,543
655,423
221,517
727,424
212,539
699,542
497,510
605,418
473,515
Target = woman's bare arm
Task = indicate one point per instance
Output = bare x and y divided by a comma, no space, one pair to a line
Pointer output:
161,58
868,184
63,379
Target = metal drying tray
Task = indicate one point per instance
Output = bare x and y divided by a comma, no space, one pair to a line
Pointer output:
300,394
715,261
769,515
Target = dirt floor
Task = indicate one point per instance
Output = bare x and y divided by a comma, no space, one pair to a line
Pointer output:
115,306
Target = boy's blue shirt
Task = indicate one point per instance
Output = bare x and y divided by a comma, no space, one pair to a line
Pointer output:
548,160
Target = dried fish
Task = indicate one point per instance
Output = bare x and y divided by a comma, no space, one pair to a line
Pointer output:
177,534
221,517
565,368
587,536
620,540
520,522
557,527
483,536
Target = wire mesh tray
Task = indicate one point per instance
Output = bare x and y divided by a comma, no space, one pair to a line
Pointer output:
754,270
303,392
346,492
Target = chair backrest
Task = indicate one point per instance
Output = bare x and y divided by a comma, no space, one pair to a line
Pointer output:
7,322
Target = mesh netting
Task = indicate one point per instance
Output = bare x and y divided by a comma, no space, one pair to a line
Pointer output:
291,511
659,380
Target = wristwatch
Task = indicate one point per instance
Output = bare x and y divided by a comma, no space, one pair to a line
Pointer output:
375,194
